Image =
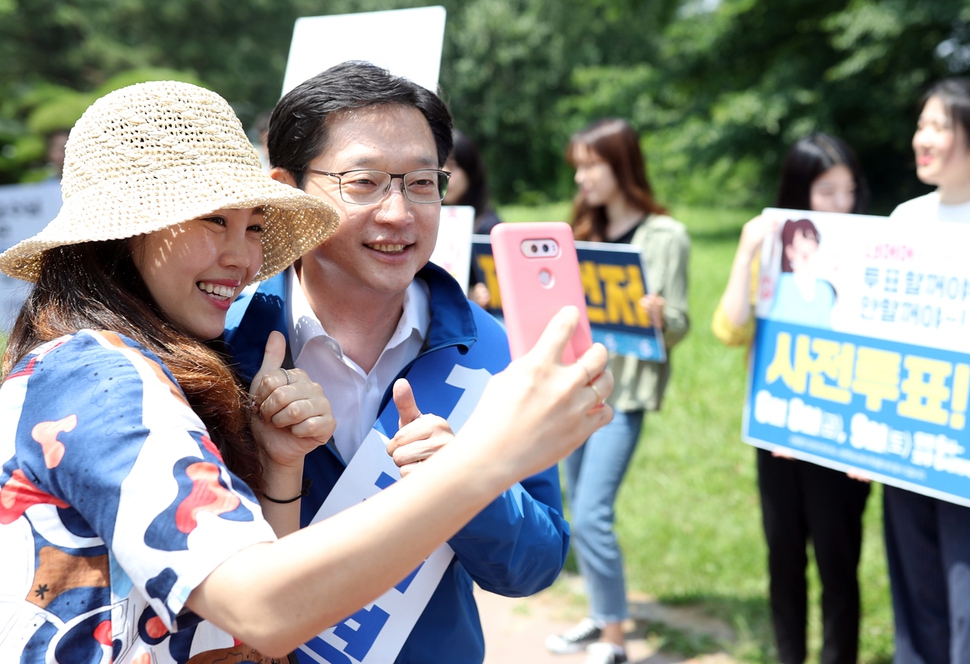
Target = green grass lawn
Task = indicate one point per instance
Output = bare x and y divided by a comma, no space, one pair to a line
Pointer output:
688,514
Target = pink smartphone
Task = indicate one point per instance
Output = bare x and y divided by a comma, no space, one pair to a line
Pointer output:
538,274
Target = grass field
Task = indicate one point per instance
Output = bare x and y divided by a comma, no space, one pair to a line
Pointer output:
688,514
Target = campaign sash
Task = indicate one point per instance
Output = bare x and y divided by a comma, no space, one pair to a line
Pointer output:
443,381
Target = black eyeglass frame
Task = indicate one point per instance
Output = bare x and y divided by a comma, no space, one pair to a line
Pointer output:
387,189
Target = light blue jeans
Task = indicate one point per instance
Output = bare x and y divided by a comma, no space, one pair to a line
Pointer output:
593,476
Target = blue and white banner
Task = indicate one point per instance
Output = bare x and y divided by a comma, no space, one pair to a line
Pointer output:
861,359
614,280
24,211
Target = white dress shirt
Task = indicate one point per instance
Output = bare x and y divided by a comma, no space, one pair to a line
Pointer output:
354,394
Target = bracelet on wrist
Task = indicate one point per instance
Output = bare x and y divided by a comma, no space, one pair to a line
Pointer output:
306,489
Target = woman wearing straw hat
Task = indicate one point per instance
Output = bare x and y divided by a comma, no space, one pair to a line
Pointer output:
134,491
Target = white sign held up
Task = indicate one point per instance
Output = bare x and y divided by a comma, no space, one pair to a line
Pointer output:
406,42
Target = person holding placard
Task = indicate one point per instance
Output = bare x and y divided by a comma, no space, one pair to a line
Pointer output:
468,185
800,501
928,540
366,308
139,479
615,204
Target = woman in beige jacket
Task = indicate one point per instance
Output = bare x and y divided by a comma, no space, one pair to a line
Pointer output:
615,204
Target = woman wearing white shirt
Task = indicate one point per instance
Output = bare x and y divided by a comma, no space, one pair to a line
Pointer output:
928,540
942,147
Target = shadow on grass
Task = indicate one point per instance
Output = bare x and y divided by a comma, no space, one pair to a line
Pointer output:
698,625
665,641
705,625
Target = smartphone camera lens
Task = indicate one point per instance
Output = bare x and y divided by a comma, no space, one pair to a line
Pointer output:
545,248
535,249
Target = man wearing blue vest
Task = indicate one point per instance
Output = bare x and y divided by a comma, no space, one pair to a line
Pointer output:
366,307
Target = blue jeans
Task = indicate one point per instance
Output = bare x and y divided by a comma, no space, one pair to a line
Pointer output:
593,476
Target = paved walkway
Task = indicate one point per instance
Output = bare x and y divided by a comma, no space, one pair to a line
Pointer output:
515,629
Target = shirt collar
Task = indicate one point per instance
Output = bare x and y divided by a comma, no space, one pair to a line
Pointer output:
302,322
304,325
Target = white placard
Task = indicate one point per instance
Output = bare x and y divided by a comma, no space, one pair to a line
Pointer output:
453,248
24,211
406,42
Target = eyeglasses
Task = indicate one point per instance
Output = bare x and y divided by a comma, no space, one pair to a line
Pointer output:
365,187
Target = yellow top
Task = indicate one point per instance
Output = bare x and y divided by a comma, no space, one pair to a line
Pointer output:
725,330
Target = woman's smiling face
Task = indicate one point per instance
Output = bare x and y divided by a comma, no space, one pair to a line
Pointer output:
196,269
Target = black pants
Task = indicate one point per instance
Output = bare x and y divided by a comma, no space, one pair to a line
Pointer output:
802,501
928,550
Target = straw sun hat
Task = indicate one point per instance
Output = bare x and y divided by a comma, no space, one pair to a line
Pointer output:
154,155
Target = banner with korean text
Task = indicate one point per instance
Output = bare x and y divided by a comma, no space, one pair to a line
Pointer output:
861,358
614,280
24,211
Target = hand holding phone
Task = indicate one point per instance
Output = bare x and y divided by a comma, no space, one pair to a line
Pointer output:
538,274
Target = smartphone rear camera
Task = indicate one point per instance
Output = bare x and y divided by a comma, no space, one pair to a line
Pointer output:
538,248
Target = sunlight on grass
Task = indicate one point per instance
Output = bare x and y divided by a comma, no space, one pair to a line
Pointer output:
688,514
551,212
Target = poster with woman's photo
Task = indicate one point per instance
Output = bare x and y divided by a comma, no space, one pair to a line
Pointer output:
861,359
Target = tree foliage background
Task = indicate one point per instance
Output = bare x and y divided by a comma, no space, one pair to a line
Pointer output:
718,88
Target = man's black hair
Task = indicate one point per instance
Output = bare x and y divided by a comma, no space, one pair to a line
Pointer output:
298,131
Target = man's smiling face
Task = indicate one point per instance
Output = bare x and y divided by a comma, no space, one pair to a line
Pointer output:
378,247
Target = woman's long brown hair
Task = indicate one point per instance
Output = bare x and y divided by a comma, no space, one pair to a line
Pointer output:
616,143
95,285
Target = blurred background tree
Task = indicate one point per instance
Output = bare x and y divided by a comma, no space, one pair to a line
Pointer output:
718,88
